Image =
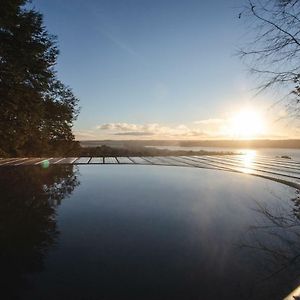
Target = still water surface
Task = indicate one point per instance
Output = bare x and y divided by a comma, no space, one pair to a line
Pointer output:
146,232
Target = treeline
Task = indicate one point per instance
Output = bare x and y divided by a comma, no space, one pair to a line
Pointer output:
141,151
37,110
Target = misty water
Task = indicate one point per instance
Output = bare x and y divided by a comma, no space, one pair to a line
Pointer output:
146,232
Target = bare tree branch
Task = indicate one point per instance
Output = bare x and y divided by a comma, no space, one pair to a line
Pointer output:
274,51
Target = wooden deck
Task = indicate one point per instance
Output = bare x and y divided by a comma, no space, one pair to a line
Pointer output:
286,171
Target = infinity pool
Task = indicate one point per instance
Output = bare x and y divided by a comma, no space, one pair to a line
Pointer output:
146,232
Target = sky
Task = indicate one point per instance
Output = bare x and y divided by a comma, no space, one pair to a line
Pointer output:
160,69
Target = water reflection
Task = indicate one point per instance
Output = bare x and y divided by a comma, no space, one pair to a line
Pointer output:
248,160
29,197
273,242
146,233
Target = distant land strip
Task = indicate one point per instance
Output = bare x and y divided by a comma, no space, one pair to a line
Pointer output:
234,143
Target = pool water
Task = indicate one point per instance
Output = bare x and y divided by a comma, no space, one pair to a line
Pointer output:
146,232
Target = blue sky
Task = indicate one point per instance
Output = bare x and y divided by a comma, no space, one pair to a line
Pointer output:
163,68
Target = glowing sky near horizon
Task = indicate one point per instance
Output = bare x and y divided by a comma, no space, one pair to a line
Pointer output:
159,69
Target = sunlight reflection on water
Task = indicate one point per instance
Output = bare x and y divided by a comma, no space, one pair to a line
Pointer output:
248,158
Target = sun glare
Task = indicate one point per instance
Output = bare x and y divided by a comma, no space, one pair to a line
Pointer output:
247,124
248,159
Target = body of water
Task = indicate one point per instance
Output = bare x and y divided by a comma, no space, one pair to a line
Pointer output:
146,232
272,152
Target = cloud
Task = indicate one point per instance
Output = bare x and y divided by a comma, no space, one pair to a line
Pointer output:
151,129
119,43
211,128
135,133
209,122
119,126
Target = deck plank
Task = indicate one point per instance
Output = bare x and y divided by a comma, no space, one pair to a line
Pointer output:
154,160
82,160
29,162
270,159
248,170
56,160
186,162
269,163
203,163
124,160
11,161
173,161
255,168
258,164
287,172
139,160
96,160
67,161
44,160
110,160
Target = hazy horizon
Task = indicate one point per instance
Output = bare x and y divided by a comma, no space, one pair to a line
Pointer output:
190,140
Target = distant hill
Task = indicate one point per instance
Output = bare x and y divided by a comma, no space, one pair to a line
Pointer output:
254,144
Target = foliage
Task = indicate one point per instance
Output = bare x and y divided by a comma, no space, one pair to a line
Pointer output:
37,110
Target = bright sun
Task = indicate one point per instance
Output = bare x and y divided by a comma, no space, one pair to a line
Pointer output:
247,124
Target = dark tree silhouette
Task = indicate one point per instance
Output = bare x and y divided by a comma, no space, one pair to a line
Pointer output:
29,197
274,51
37,110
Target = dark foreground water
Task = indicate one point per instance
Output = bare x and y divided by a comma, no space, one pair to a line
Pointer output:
146,232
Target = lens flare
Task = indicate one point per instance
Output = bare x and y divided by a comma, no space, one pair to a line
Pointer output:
45,164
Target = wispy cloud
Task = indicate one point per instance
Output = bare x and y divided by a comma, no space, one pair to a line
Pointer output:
119,43
109,28
209,121
151,129
118,126
135,133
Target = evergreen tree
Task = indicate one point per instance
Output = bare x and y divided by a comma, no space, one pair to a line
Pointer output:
36,109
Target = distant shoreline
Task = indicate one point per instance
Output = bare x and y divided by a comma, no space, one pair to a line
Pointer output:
238,144
104,151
